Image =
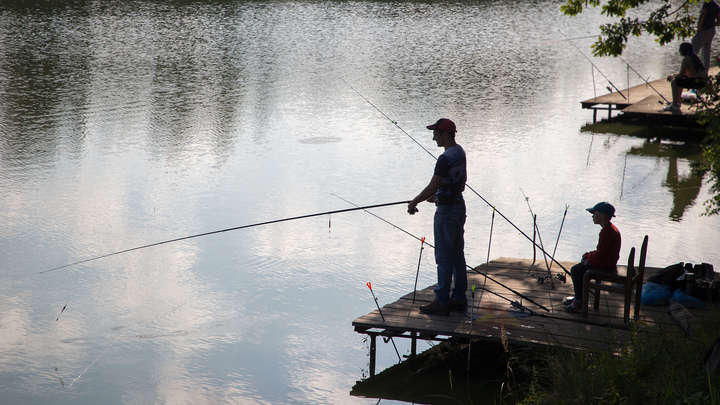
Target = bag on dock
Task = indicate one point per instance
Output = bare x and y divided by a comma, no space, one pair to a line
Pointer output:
655,294
707,292
686,300
669,276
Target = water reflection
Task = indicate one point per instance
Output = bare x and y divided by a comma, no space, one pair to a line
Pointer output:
683,179
679,147
128,123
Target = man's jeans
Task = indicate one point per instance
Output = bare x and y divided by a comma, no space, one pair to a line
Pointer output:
449,252
703,41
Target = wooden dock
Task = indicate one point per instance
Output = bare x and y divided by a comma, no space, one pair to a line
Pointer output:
498,316
646,101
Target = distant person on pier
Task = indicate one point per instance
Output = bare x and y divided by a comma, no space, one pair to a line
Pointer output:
445,190
693,75
706,23
604,258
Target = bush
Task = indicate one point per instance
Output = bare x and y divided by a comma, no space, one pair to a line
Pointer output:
662,366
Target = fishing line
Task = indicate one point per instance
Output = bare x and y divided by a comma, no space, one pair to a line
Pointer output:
466,265
96,359
622,184
225,230
390,119
591,62
466,185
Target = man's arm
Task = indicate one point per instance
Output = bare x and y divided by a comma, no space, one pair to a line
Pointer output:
427,193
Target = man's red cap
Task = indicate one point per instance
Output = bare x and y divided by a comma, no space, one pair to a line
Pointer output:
443,124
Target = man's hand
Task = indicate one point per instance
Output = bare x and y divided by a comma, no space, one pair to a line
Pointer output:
412,208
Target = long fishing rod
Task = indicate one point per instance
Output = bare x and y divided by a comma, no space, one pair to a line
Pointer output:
226,230
566,39
466,185
466,265
591,62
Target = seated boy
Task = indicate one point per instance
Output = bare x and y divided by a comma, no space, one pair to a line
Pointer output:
604,258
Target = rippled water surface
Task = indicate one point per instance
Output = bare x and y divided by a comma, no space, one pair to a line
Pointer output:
129,123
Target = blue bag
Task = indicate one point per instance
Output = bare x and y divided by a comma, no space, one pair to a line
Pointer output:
686,300
655,294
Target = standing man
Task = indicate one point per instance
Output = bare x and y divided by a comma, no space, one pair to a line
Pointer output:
445,190
706,23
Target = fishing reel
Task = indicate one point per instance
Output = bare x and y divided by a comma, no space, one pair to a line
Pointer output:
541,279
518,306
562,277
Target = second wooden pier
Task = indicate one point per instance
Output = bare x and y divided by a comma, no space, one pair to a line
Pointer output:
645,100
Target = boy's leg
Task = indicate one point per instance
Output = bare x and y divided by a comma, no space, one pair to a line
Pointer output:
577,272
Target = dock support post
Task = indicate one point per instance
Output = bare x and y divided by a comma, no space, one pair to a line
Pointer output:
413,345
373,350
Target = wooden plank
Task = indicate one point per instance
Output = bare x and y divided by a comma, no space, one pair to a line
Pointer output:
526,329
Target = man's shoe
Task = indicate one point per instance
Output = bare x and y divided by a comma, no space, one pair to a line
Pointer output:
435,308
672,107
457,305
568,300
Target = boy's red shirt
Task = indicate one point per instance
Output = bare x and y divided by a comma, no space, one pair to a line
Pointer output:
608,249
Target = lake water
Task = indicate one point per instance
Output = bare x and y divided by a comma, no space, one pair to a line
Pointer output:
129,123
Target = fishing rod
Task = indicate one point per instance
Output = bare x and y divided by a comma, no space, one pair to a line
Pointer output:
522,308
558,239
225,230
646,82
466,185
487,261
537,228
566,39
466,265
417,273
591,62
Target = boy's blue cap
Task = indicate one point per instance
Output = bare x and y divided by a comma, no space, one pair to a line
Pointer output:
604,207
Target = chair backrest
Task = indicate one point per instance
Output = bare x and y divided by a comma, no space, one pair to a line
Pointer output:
643,254
630,267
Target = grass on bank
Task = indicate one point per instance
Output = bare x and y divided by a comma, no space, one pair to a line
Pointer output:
660,367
